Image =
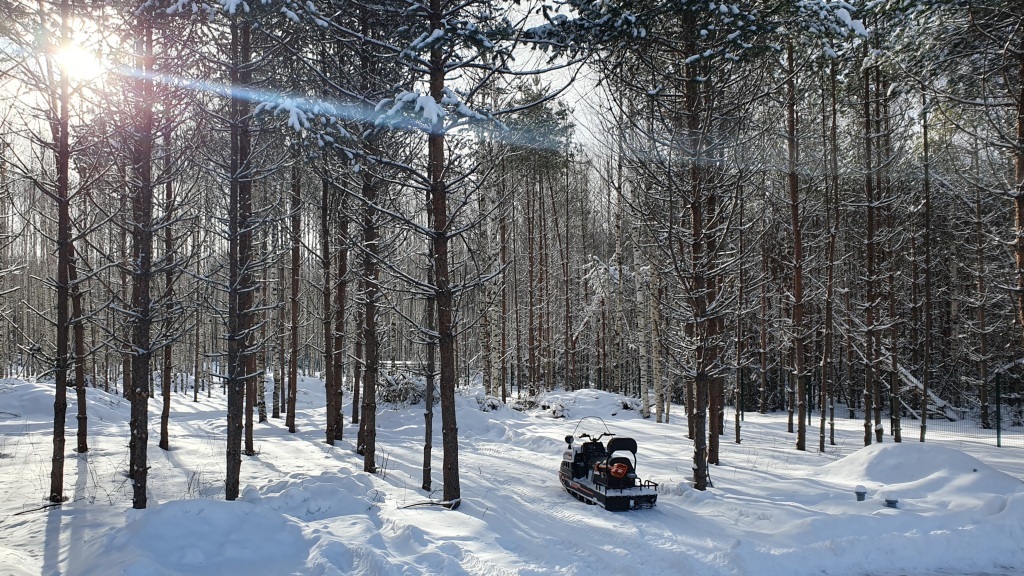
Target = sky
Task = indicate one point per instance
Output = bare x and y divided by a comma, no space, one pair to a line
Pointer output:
308,508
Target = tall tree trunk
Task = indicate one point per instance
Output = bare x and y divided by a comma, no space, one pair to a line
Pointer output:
340,311
240,256
195,362
357,381
869,307
832,224
430,323
793,181
762,375
662,388
79,326
261,370
331,385
927,209
59,127
983,358
141,265
293,297
442,279
371,344
165,378
1018,195
740,336
279,399
532,276
503,254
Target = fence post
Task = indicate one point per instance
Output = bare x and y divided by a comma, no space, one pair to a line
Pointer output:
999,410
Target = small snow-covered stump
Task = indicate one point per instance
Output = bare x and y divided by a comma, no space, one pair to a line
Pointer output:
890,499
861,492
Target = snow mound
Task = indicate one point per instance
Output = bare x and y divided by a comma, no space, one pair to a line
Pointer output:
907,471
203,535
25,401
588,402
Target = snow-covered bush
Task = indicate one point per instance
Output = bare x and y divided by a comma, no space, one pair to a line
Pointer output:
403,389
557,409
630,403
489,403
523,404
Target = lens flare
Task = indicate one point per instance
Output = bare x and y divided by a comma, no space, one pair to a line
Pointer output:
79,64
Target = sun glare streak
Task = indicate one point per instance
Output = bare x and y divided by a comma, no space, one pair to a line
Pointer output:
309,113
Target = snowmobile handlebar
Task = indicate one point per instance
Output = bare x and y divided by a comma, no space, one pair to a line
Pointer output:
596,438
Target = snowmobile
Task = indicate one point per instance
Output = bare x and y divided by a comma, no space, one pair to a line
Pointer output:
605,475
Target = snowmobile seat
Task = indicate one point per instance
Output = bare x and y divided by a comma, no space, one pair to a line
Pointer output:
621,460
627,480
622,451
627,444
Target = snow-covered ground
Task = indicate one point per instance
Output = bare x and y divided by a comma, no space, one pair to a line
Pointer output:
307,508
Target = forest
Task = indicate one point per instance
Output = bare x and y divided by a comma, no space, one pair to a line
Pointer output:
781,206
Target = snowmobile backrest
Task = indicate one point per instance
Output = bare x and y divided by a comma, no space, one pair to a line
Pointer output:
627,444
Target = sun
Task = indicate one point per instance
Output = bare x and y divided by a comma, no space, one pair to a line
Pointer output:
79,64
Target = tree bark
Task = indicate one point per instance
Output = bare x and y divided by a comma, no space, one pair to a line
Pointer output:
869,307
371,345
141,267
59,127
293,298
331,386
240,258
79,327
442,279
793,181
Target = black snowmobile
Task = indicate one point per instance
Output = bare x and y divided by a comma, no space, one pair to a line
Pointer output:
605,475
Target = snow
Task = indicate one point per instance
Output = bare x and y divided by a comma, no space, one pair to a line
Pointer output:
856,25
307,508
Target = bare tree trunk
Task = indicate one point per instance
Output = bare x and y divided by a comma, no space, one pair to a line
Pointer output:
869,307
357,385
661,398
798,259
141,266
59,127
340,311
79,327
567,354
926,208
165,378
485,306
739,336
279,399
371,345
618,352
195,363
331,385
532,277
260,371
293,298
762,380
250,402
1018,197
430,322
442,279
240,259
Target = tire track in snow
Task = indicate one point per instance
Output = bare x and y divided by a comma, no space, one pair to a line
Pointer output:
588,541
594,539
